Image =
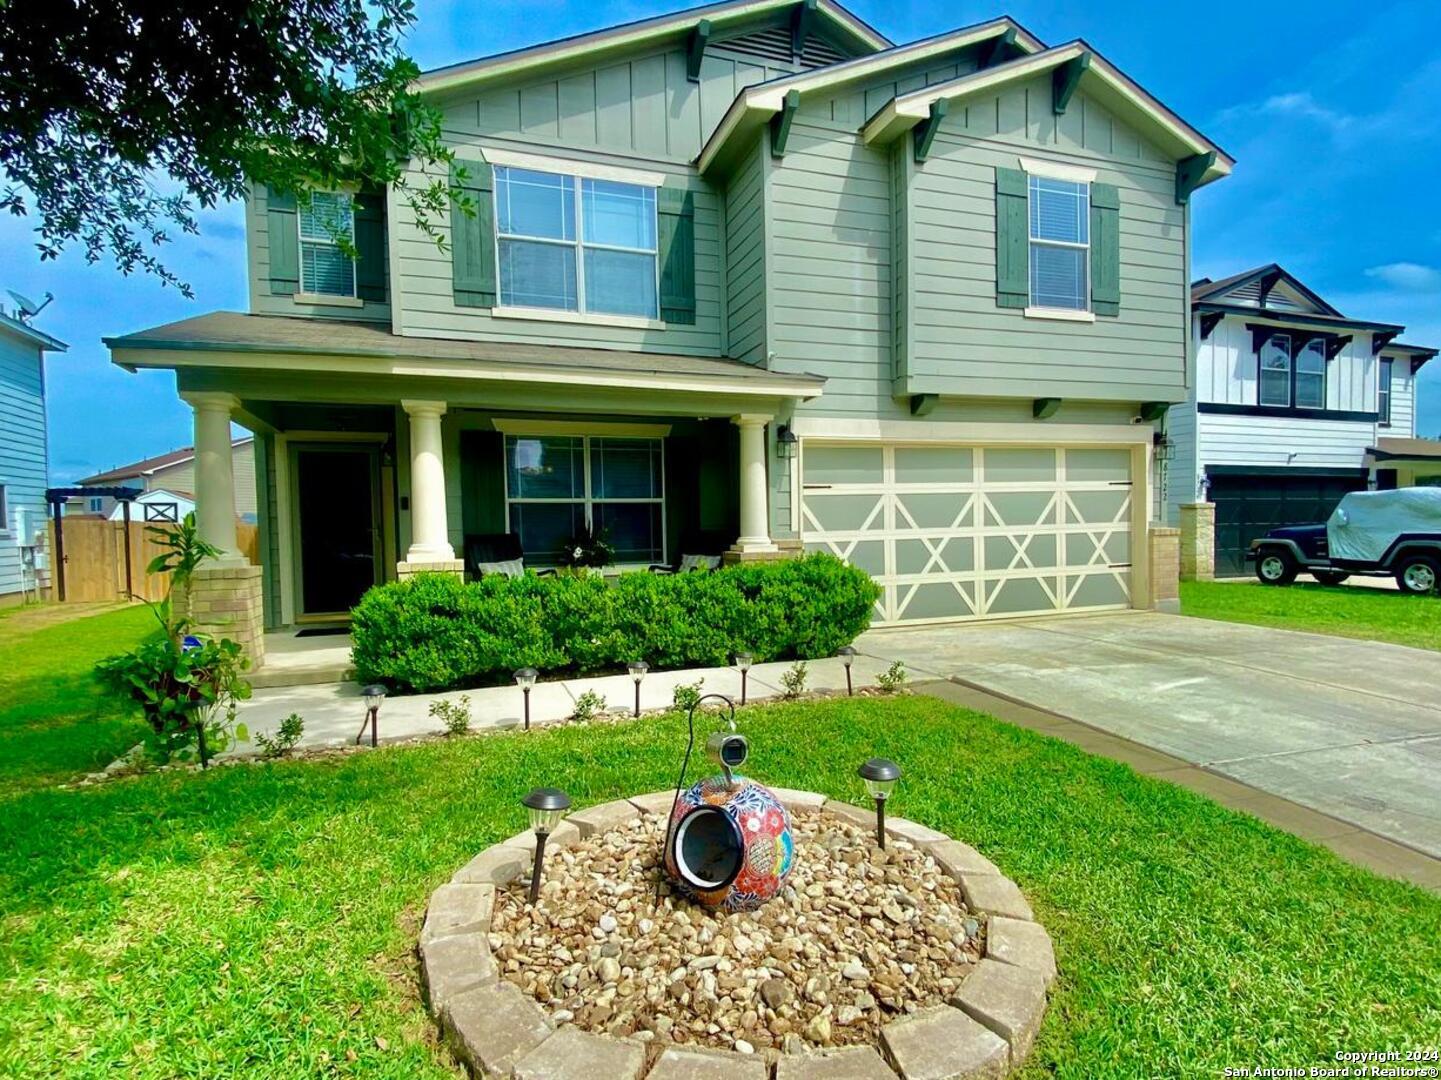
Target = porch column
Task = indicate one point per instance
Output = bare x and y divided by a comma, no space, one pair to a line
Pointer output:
429,532
754,497
215,474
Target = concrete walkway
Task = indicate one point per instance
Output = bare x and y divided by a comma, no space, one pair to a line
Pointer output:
1351,729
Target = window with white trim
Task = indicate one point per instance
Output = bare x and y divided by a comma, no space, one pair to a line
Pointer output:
555,485
1060,227
1383,391
325,222
1311,375
576,243
1275,374
97,503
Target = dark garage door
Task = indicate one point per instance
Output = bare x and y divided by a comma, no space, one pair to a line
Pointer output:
1248,506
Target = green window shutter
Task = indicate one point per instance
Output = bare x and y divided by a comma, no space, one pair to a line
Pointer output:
1013,240
284,236
472,239
675,210
1105,249
370,266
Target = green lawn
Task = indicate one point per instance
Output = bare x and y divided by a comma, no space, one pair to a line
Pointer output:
54,721
1353,611
260,921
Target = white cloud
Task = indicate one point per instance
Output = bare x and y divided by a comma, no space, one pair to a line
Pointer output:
1298,105
1407,276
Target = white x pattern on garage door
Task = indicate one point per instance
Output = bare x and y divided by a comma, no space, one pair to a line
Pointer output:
961,533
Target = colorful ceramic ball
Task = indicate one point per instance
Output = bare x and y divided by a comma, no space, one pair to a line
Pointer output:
730,845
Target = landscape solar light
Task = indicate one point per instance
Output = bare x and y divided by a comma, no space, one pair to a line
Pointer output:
547,806
525,679
880,776
373,695
744,661
637,669
847,653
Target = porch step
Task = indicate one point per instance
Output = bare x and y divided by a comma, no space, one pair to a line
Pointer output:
267,677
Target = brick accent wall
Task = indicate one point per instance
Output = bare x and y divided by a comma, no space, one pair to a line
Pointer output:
1165,544
1198,541
405,570
785,549
227,602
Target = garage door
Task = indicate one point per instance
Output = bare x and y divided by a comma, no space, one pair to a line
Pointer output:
967,532
1249,506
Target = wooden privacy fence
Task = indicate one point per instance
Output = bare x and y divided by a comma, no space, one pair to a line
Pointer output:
95,559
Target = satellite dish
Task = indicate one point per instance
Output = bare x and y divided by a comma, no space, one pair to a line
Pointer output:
28,308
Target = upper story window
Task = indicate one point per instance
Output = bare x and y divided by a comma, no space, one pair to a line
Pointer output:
574,243
1060,243
325,268
1275,383
1311,375
97,504
1383,391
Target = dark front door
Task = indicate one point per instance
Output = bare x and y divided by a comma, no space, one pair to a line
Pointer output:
337,495
1249,506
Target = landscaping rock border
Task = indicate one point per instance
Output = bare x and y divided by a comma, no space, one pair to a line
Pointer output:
985,1030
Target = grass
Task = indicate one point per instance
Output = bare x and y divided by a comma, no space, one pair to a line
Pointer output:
261,920
54,719
1342,610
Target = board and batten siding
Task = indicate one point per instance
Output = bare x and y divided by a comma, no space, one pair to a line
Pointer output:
22,450
961,342
1227,369
745,258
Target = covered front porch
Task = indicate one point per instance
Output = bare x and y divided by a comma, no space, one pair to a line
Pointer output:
378,457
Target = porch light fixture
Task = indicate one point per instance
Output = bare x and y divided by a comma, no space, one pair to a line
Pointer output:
547,806
1163,446
847,653
880,776
525,679
744,661
637,669
373,696
785,442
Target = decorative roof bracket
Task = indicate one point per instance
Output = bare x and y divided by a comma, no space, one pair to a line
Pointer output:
1189,172
1209,321
781,122
1043,408
925,132
1381,338
1065,79
802,20
695,49
1000,49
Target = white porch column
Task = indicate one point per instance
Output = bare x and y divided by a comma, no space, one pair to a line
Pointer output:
429,532
755,499
215,474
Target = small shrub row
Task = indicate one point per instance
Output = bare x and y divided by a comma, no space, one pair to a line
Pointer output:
435,632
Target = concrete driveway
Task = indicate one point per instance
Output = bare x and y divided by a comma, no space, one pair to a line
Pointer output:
1349,728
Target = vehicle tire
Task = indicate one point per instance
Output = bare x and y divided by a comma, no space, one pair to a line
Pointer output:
1330,577
1276,566
1418,575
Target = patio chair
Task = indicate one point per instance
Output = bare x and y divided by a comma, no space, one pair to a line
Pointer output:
494,553
697,552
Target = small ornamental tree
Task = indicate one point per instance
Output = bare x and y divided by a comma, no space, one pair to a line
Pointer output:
187,685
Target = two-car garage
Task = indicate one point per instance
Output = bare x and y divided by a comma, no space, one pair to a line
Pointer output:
967,532
1251,501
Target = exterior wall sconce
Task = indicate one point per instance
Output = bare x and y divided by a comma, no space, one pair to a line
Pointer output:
547,806
1162,444
525,679
847,653
744,661
785,442
637,669
373,696
880,776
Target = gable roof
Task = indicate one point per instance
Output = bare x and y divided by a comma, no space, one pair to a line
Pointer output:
675,25
23,330
755,105
1101,80
1237,287
149,465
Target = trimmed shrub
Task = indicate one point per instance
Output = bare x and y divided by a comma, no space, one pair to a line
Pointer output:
435,632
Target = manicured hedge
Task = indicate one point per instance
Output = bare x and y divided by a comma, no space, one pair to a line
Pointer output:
435,632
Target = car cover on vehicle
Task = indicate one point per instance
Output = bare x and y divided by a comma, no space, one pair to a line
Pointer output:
1366,523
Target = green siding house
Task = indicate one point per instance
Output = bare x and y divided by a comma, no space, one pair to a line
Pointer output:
744,280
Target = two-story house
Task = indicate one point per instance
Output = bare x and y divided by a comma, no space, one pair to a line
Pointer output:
168,484
1294,405
23,448
751,269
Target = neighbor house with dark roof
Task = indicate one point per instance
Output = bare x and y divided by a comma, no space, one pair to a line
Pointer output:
743,280
173,473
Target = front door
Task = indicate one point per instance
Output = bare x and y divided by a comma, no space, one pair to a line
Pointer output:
338,507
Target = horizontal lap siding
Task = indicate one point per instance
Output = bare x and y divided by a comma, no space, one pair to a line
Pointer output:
745,259
1267,440
1403,401
22,450
1182,482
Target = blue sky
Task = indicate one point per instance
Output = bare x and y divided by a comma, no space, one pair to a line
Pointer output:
1329,109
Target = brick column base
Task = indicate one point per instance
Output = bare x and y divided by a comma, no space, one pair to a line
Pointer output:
404,570
785,549
1165,554
1198,541
226,602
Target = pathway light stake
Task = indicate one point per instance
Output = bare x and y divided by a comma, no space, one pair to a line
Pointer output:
373,695
525,679
547,806
743,661
847,653
880,776
637,669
